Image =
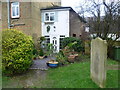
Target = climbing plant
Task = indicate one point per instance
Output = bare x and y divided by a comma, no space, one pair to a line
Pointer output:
48,28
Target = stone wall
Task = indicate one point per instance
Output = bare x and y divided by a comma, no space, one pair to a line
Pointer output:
98,61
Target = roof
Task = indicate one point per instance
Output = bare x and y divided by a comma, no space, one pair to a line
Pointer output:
57,7
69,8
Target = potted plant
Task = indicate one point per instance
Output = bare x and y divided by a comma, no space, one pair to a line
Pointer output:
49,52
61,58
71,58
35,57
41,54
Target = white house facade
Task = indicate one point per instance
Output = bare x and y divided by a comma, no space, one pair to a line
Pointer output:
56,25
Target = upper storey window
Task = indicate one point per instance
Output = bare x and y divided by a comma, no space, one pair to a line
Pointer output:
15,11
49,17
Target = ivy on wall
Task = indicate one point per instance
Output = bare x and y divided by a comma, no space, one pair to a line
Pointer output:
48,28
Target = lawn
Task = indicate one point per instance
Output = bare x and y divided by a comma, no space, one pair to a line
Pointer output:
75,75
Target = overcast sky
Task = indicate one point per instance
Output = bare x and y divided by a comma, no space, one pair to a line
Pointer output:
73,3
76,3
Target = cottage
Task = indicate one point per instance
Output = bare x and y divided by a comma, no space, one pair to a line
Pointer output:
60,22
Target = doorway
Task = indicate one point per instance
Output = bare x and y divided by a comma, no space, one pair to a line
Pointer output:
54,42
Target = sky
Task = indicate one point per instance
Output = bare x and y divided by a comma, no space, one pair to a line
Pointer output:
72,3
76,3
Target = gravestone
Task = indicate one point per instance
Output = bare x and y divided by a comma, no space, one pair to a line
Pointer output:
98,61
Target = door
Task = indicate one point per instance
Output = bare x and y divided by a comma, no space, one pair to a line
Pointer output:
54,42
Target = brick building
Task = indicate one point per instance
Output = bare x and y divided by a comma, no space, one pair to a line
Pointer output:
24,16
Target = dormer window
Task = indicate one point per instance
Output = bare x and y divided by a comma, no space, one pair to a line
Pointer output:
15,12
49,17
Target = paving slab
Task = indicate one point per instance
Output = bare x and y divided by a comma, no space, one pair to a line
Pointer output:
41,63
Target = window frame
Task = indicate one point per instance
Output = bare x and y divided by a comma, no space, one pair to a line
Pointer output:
16,6
61,37
49,16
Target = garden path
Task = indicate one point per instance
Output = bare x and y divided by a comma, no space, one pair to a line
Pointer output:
41,63
34,77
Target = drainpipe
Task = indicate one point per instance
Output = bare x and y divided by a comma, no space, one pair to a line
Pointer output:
8,6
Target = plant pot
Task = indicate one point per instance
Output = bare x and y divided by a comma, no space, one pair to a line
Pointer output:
71,58
41,57
52,64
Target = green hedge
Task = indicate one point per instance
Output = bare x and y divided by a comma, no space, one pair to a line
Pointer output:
17,52
75,43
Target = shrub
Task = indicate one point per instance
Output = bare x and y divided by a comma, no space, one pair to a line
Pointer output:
74,43
41,53
17,51
61,58
35,52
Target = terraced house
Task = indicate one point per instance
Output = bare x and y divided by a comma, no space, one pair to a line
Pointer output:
61,22
35,18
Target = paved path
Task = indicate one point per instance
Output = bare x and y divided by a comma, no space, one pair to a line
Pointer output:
41,63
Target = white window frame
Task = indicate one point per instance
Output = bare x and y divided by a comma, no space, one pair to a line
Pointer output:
49,16
15,6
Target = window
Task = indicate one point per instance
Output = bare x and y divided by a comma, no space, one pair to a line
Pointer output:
47,39
74,35
61,39
49,17
15,13
44,43
87,29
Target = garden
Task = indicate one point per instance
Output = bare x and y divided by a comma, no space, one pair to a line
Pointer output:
70,69
75,75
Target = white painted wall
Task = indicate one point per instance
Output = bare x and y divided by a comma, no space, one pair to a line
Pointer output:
62,26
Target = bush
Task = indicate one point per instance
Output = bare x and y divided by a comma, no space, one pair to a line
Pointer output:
35,52
61,58
17,52
74,43
41,53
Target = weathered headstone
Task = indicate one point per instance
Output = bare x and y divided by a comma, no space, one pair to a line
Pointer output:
98,61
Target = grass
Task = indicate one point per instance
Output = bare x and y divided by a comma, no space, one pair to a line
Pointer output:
75,75
112,62
113,80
